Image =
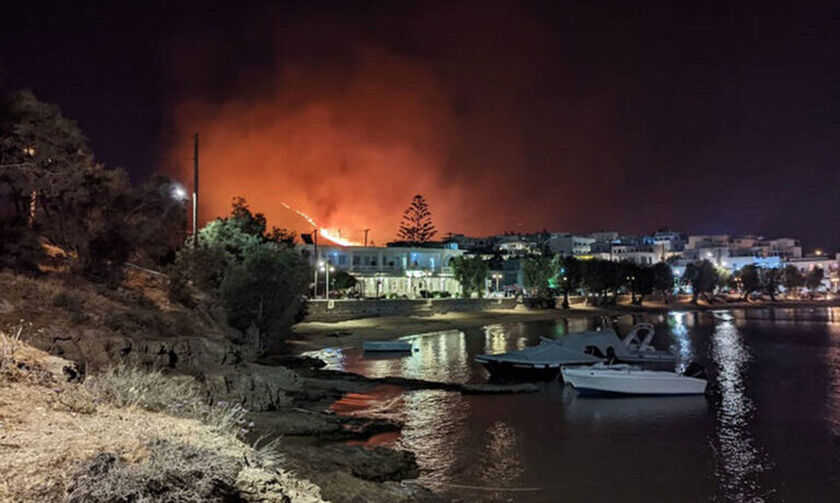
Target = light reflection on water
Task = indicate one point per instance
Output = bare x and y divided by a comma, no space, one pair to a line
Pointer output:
779,387
740,462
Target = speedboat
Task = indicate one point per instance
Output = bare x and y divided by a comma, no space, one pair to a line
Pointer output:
543,362
535,363
640,350
623,379
387,346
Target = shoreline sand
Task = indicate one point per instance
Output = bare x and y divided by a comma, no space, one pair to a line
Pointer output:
309,336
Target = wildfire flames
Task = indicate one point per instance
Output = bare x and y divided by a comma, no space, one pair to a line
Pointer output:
325,233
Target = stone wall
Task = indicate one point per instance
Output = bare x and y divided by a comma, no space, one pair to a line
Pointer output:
337,310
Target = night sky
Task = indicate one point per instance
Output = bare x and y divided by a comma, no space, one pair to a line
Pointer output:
578,116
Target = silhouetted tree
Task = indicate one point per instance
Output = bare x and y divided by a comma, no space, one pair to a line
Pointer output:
471,272
568,276
771,279
702,277
537,272
792,278
748,278
342,281
417,226
663,280
814,278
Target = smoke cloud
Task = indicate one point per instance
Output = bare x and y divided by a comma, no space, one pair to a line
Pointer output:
348,129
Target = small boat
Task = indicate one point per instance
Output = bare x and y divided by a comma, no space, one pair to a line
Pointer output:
536,363
640,350
387,346
543,362
623,379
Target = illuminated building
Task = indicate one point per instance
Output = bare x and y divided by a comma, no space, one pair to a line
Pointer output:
401,272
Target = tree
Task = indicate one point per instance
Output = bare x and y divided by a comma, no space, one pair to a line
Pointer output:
265,291
260,280
643,283
417,226
471,272
537,273
155,220
748,278
343,281
792,278
702,277
663,280
629,273
814,278
771,279
52,190
569,276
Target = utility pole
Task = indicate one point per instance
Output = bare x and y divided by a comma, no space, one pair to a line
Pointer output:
195,193
366,234
317,262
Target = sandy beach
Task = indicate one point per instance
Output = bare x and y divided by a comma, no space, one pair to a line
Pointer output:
310,336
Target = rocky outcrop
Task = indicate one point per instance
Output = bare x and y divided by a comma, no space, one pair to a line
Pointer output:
257,387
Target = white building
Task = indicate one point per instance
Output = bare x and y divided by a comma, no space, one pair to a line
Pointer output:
570,244
390,271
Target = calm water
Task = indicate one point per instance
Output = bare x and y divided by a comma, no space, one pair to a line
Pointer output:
773,434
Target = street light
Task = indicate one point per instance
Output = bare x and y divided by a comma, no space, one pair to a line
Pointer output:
328,271
497,276
178,192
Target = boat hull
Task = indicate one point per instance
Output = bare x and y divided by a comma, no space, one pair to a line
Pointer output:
513,372
589,381
387,347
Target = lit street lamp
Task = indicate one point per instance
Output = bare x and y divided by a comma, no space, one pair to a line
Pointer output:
328,269
497,276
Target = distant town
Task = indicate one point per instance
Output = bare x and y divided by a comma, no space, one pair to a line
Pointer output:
404,270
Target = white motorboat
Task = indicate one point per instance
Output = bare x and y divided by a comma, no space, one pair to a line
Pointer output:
543,362
625,379
387,346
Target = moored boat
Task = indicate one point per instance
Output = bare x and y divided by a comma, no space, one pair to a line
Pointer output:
535,363
623,379
387,346
543,362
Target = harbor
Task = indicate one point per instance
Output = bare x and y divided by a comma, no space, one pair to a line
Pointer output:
777,397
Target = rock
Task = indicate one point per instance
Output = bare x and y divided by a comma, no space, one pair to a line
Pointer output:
291,422
263,486
257,387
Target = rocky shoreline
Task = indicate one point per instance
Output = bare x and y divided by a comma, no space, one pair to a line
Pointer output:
287,396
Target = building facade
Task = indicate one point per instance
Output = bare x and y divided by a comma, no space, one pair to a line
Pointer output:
400,272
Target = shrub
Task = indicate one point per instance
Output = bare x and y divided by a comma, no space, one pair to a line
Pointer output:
171,472
177,395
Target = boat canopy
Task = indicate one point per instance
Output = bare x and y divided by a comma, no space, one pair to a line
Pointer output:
548,352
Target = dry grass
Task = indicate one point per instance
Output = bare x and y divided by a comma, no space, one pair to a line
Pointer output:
152,390
110,439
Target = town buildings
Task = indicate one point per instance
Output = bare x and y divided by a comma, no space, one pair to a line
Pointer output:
399,271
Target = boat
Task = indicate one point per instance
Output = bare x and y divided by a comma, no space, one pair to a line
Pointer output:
543,362
640,349
387,346
535,363
623,379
